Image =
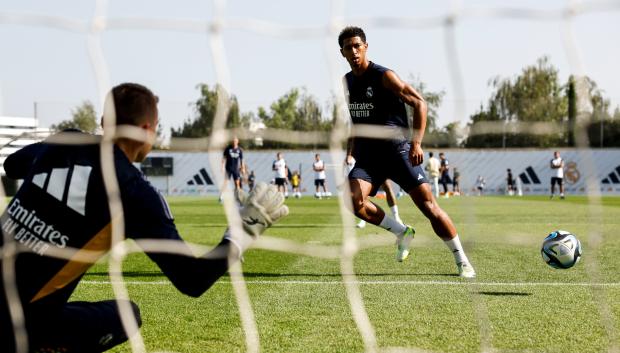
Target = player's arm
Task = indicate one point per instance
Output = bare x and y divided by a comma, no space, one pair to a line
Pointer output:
414,99
349,158
148,218
18,164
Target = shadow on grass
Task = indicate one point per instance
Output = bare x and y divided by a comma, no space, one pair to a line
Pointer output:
505,294
150,274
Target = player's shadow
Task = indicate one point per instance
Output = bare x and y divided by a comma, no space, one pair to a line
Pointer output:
337,274
505,294
130,274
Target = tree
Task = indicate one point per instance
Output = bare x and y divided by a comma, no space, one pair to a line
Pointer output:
296,110
84,118
205,109
534,96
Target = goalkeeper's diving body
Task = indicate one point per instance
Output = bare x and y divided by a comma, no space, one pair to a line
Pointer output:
377,97
63,204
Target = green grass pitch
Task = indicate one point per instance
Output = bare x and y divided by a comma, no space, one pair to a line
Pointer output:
516,304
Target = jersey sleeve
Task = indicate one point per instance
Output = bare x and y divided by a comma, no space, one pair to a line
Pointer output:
147,216
18,164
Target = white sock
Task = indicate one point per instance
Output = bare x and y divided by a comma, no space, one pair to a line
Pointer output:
392,225
394,210
455,246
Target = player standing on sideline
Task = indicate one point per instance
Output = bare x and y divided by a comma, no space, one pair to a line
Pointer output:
279,167
295,183
319,177
251,180
557,167
377,96
432,166
456,182
444,169
510,182
480,183
63,204
232,165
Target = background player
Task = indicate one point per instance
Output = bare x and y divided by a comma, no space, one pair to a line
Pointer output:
63,204
557,167
444,170
432,167
377,96
279,167
319,177
232,164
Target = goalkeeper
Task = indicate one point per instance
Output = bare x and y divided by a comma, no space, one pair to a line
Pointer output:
63,204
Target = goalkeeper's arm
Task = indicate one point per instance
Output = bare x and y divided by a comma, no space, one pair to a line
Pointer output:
194,275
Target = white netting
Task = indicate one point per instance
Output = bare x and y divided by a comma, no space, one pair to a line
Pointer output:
214,30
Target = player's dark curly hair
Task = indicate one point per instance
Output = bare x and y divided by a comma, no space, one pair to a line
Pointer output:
133,103
350,32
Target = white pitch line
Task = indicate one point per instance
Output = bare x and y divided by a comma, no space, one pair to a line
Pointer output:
434,283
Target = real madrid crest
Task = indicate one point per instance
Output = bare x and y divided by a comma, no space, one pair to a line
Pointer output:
369,92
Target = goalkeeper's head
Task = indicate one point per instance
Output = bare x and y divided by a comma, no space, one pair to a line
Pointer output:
134,105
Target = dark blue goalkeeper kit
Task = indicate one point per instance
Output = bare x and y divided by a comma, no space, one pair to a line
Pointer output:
62,204
370,102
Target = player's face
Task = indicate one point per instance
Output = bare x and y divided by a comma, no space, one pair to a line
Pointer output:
354,50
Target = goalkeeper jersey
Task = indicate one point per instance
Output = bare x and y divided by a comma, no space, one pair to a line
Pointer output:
63,204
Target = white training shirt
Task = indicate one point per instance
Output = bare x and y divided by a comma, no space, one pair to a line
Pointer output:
319,165
559,172
280,168
433,167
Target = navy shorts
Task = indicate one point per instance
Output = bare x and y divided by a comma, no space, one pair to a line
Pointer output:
234,174
556,180
387,160
319,182
280,181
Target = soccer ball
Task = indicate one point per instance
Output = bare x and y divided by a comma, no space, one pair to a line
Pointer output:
561,249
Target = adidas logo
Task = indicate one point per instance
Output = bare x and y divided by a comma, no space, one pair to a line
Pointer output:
612,178
202,178
420,176
67,185
529,176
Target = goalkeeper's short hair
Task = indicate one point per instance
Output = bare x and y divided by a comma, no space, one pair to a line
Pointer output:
133,103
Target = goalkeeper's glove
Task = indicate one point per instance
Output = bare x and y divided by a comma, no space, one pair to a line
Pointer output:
262,207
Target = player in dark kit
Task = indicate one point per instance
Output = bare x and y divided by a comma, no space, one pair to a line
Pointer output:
232,164
63,205
376,96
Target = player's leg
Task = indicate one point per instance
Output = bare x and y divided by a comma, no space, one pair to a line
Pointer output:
237,179
443,226
552,187
369,211
317,184
561,187
391,200
227,176
82,327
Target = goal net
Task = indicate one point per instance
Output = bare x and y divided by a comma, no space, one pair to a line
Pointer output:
593,175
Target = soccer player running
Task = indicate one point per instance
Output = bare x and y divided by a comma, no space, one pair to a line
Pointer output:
63,204
377,96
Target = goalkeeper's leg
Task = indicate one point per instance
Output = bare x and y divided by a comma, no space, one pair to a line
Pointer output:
80,327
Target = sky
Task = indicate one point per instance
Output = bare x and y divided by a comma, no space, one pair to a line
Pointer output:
50,68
